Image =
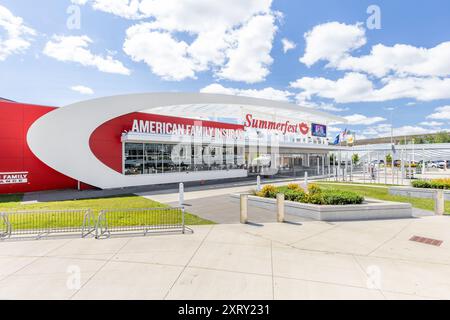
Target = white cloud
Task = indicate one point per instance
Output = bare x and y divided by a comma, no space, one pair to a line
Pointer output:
287,45
167,57
440,113
332,129
304,101
329,107
431,123
75,49
79,2
356,87
384,130
231,38
332,41
17,35
359,119
266,93
401,59
352,87
249,59
411,130
82,90
129,9
401,70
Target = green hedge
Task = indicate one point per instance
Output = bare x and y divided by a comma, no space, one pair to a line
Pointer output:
315,195
432,184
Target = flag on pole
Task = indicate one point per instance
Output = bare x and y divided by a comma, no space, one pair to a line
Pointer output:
341,137
336,139
350,138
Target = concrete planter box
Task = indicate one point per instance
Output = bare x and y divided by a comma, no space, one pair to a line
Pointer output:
369,210
425,193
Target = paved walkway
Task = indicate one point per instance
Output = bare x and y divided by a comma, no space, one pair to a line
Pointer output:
71,194
314,260
226,210
215,204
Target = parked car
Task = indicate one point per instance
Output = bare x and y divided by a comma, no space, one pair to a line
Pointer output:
436,164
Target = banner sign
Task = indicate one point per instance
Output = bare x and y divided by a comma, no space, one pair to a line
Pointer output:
13,177
166,125
284,127
318,130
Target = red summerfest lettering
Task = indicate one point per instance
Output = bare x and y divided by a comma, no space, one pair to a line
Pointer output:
284,127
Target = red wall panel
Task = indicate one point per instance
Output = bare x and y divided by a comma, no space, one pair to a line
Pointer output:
16,156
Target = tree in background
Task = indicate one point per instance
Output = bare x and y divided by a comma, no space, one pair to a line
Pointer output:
442,137
355,158
388,159
439,137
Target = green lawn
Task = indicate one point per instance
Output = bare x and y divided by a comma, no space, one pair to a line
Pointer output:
358,183
10,203
378,192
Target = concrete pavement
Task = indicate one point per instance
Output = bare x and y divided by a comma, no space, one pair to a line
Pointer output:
314,260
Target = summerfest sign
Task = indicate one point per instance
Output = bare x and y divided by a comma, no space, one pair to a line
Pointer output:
283,127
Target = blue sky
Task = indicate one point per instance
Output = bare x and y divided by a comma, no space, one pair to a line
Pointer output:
338,63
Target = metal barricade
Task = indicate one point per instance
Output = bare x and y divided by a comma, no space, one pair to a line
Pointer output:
41,222
143,220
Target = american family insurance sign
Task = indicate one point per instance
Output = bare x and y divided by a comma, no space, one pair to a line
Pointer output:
13,177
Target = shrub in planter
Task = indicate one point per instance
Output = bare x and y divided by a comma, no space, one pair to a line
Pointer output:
433,184
314,198
314,189
295,195
337,197
315,195
294,186
440,183
268,191
421,184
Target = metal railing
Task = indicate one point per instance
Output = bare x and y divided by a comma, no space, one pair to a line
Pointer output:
144,220
45,222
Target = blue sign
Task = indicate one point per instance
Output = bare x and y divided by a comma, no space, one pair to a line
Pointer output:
318,130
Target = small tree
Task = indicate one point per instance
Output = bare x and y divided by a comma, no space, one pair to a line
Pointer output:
388,159
355,158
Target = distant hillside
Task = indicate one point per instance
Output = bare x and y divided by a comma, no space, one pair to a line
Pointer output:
439,137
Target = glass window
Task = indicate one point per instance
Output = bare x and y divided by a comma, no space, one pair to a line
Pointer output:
151,161
133,158
167,164
152,158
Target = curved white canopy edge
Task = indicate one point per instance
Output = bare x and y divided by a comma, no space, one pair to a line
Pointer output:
61,137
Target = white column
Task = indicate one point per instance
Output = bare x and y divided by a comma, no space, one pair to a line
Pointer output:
364,169
280,207
243,207
439,205
323,165
351,167
318,165
378,167
181,194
